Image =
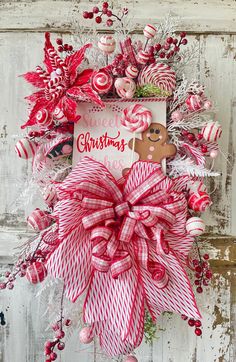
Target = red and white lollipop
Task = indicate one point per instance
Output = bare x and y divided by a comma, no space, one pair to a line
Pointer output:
161,75
194,102
102,82
212,131
125,87
43,118
36,272
131,71
107,44
136,118
149,31
39,220
25,148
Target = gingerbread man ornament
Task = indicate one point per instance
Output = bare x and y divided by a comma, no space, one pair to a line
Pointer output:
153,146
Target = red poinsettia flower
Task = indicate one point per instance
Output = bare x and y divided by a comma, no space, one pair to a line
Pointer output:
60,85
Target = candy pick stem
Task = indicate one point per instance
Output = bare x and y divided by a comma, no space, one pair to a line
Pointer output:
145,46
132,154
106,59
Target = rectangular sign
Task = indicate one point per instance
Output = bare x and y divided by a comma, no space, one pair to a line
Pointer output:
100,135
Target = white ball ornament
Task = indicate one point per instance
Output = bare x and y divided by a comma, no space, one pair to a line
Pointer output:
177,116
107,44
25,148
195,226
149,31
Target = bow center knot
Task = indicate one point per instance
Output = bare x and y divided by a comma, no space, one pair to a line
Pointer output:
122,209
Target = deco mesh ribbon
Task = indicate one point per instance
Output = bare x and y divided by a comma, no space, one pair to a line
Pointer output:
124,243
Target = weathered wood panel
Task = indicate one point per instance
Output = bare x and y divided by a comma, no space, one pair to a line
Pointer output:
213,25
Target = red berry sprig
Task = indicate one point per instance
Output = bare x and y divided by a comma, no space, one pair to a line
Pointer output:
196,140
193,323
104,12
68,48
170,47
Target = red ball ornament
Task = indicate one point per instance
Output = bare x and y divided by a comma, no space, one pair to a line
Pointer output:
198,332
36,272
191,322
39,220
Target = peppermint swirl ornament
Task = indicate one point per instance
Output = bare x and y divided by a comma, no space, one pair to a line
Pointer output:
102,82
136,118
125,87
43,118
160,75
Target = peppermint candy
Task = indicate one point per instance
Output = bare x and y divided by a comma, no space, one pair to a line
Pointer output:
107,44
212,131
43,118
25,148
39,220
195,226
36,272
136,118
125,87
160,75
102,82
194,102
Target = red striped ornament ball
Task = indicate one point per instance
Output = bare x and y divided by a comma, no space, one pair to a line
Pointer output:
149,31
212,131
102,82
143,57
199,202
50,195
25,148
107,44
194,102
39,220
195,226
131,71
36,272
59,115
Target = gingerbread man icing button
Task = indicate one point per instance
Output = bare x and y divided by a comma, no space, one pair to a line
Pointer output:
153,146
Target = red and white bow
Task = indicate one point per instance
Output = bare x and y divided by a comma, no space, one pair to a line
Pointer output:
127,245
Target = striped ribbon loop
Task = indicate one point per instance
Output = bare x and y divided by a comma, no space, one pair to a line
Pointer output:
101,263
162,246
121,263
159,274
97,217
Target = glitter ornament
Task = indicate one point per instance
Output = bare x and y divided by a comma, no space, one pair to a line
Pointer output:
43,118
149,31
131,359
102,82
177,116
39,220
160,75
131,71
85,335
36,272
195,226
194,102
136,118
25,148
125,87
107,44
212,131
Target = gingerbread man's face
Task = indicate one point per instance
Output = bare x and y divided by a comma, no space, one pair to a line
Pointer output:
156,133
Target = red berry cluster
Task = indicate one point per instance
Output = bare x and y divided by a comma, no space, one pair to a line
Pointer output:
196,140
63,47
119,65
35,134
20,269
57,342
203,272
170,47
105,11
193,323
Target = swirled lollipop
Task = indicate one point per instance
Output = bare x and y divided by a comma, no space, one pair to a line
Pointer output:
160,75
136,118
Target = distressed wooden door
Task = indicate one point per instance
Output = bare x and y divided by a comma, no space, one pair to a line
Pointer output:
212,25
